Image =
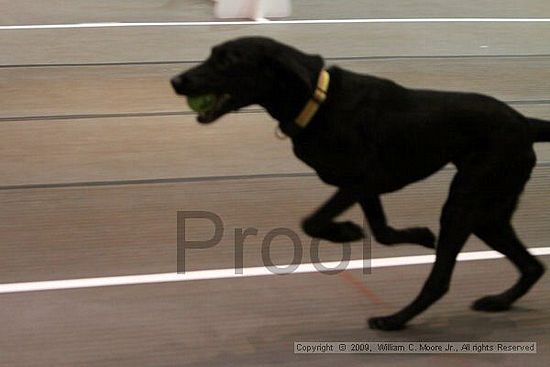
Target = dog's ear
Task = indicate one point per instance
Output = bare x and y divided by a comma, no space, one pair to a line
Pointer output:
297,69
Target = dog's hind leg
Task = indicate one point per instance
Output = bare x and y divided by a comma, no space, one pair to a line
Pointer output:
321,224
503,238
497,231
456,226
386,235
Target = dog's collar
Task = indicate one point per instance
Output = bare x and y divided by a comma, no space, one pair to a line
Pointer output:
315,101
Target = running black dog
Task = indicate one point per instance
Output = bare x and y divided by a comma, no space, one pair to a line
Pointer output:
369,136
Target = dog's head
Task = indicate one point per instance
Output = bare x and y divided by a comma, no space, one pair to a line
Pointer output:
251,70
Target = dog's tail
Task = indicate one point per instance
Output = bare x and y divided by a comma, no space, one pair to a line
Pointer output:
541,129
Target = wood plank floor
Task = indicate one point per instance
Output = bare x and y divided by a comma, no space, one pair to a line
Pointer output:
77,232
97,156
244,322
153,44
119,89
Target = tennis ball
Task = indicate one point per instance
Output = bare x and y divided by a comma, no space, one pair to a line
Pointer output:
202,103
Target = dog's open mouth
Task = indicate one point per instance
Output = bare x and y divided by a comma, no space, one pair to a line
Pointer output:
221,105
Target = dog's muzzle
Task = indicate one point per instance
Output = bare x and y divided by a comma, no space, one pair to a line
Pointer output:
178,84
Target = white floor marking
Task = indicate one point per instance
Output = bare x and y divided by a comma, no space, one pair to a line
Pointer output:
272,23
230,273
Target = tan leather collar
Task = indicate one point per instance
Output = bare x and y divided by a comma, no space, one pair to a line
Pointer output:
316,100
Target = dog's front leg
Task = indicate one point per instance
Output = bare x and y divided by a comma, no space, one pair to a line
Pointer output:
386,235
321,224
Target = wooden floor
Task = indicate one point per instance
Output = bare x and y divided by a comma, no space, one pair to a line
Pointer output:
97,155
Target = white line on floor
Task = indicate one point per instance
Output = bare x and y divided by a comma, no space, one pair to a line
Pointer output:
247,272
275,22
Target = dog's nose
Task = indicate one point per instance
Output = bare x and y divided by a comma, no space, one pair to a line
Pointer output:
184,83
176,83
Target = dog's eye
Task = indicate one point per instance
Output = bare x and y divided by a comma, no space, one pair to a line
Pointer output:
224,58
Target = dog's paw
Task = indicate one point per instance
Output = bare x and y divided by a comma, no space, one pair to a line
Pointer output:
387,323
334,231
420,235
496,303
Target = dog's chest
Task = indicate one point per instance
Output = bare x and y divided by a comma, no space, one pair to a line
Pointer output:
336,162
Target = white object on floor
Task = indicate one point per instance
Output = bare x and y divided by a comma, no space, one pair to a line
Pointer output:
258,10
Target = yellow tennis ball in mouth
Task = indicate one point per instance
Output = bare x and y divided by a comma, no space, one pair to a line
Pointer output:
202,103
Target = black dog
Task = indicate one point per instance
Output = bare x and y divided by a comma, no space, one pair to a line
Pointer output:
369,136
